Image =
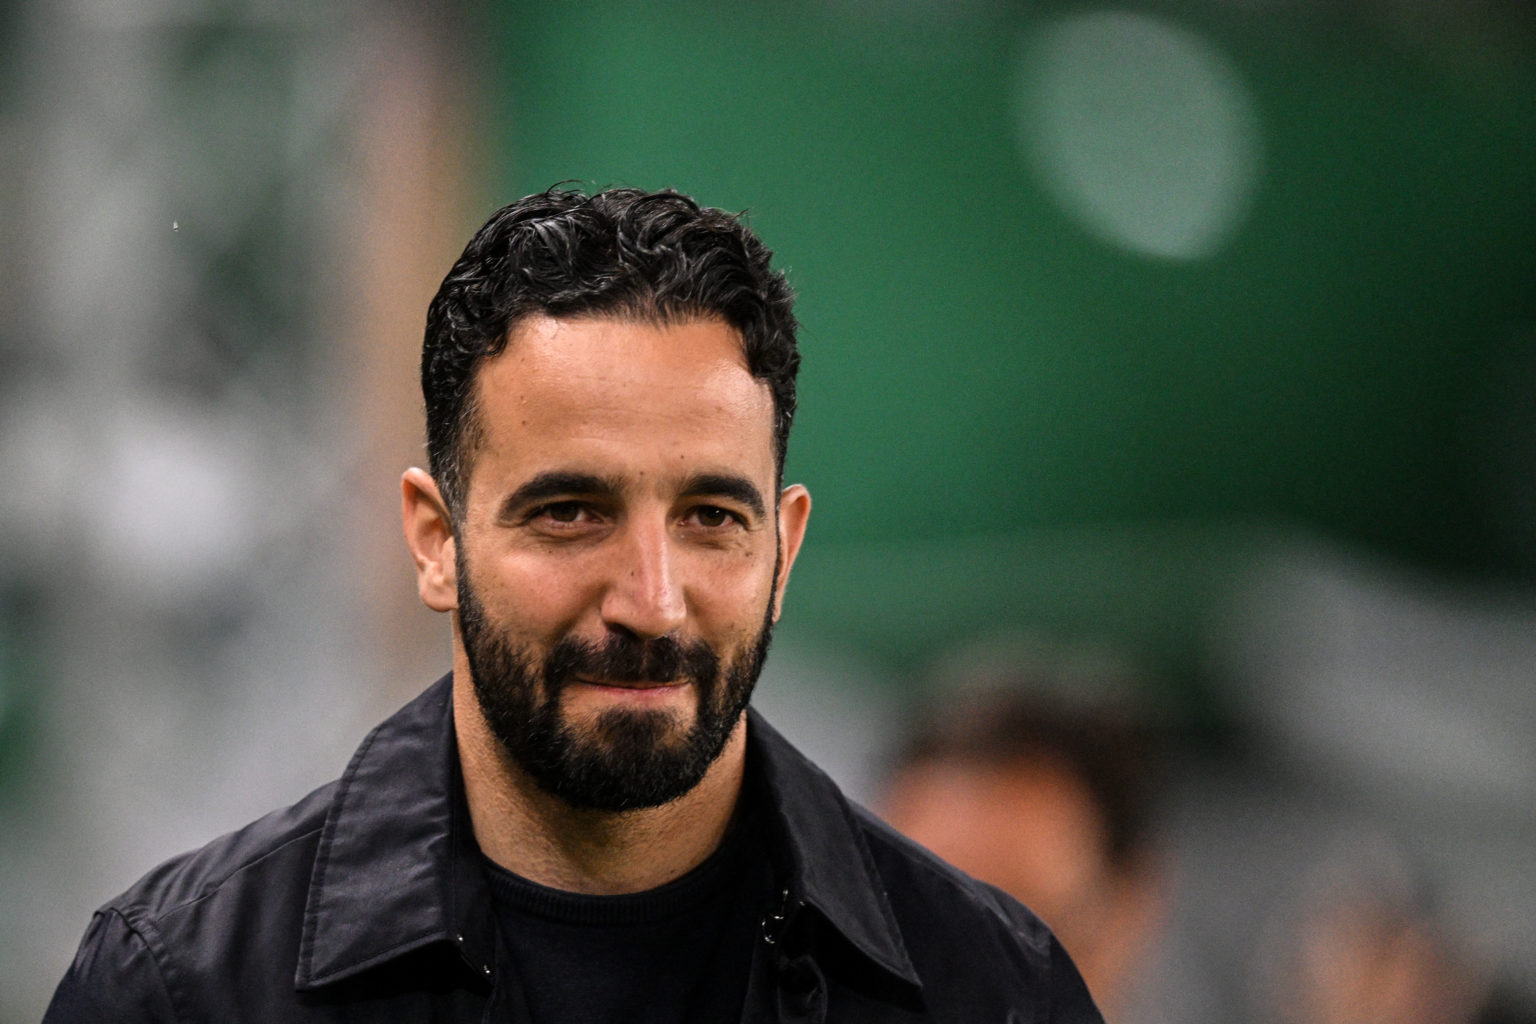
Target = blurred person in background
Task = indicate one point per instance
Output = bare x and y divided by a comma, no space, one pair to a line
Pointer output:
1363,941
582,821
1053,804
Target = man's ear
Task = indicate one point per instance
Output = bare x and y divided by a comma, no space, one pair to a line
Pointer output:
794,513
429,535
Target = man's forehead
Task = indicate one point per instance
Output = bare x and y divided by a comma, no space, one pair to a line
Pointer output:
626,392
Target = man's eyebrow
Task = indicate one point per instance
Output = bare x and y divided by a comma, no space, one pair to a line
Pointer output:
724,485
556,484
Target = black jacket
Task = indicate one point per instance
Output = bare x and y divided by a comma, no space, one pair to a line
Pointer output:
366,901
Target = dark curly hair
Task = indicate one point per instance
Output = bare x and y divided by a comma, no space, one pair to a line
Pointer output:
626,253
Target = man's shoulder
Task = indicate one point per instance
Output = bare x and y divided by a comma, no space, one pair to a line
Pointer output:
324,888
218,919
971,950
973,945
910,877
922,874
272,853
917,880
280,848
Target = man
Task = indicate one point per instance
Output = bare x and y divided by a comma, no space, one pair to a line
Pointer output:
1054,804
582,821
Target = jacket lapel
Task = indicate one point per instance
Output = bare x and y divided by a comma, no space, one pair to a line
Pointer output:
830,867
393,873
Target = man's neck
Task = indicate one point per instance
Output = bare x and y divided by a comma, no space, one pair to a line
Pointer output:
545,840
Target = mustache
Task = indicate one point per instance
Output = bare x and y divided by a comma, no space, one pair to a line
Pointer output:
626,658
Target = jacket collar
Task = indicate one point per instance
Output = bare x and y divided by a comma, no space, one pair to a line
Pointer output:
398,868
829,867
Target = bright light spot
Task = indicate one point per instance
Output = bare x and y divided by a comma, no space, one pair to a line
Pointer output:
175,504
1141,129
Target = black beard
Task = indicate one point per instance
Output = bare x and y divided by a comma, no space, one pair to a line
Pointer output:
626,759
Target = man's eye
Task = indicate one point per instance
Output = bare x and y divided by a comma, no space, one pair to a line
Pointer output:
562,511
712,516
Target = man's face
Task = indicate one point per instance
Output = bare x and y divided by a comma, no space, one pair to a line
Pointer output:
620,553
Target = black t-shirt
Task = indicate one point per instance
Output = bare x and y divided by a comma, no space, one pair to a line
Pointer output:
679,954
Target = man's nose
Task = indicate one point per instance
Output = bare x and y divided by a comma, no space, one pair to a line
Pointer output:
645,595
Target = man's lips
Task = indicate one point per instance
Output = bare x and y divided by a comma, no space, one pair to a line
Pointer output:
632,692
632,684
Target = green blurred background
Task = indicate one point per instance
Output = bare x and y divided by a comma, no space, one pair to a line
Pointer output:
1165,271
